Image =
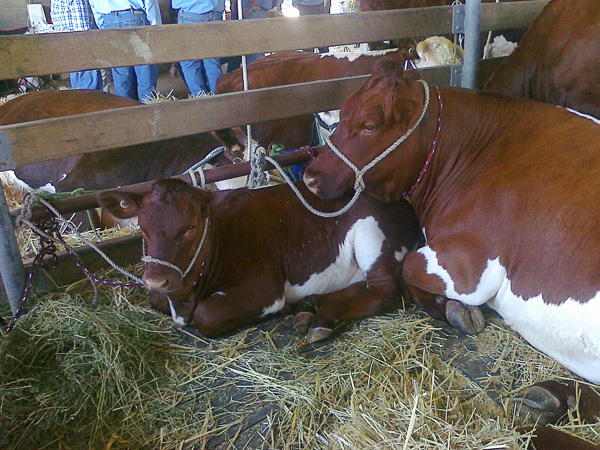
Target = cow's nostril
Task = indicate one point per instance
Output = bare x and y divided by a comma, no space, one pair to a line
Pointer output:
311,183
156,284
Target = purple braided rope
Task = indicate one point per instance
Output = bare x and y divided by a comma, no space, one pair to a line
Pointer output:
48,248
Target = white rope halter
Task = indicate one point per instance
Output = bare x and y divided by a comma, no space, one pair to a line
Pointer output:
359,184
150,259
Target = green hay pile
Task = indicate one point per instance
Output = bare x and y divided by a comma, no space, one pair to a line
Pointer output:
74,376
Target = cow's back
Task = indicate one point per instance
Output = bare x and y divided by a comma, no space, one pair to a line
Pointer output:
557,60
59,103
299,67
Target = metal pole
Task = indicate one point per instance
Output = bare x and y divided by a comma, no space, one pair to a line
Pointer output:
472,28
11,264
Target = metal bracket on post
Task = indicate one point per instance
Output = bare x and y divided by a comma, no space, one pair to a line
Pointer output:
458,19
456,76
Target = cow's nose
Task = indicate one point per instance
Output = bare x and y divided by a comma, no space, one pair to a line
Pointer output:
311,183
161,285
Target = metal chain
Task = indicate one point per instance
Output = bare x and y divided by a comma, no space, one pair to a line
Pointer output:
47,247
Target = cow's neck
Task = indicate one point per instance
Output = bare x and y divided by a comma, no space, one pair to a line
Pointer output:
468,126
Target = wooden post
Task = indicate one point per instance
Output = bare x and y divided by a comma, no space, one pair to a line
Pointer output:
11,264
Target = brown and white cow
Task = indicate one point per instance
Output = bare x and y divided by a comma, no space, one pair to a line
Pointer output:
557,61
111,168
260,250
291,67
506,192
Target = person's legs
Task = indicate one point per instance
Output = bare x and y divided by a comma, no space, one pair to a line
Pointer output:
139,82
125,82
86,79
192,71
147,79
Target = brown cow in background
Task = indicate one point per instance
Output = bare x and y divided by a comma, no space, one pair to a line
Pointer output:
558,59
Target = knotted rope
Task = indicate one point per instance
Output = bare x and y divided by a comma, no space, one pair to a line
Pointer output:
198,167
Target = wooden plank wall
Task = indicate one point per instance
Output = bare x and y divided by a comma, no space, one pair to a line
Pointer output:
43,54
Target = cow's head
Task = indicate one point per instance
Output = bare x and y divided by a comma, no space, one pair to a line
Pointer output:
176,221
372,119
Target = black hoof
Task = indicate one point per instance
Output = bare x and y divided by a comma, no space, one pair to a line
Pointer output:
540,404
467,319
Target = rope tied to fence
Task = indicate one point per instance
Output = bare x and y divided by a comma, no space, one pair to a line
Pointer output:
199,167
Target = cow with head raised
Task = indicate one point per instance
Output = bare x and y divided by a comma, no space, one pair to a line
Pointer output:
505,190
227,259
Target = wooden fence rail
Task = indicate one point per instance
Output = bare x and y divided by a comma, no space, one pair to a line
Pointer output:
45,54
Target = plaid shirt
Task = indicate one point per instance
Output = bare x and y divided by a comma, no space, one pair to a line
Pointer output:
71,15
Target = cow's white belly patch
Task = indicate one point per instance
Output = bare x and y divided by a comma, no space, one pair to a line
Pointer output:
568,333
357,253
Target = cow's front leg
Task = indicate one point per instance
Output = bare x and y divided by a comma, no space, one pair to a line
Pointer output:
429,289
322,313
228,310
549,401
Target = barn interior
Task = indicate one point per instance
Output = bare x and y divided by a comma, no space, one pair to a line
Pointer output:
93,366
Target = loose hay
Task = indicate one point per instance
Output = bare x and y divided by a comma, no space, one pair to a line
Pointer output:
121,375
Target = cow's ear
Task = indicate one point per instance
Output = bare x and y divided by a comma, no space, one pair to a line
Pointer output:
120,204
403,110
226,203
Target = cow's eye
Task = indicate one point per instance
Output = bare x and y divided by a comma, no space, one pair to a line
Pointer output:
369,127
191,228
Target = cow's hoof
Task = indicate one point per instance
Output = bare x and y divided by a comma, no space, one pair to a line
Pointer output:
467,319
302,322
318,334
540,404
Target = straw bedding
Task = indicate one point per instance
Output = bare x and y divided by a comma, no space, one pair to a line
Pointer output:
120,375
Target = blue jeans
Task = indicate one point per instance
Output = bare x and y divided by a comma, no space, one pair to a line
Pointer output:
86,79
137,82
200,76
